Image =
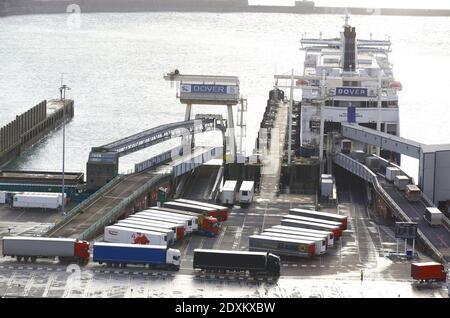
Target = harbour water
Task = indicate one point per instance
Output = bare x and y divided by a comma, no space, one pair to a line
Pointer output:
114,64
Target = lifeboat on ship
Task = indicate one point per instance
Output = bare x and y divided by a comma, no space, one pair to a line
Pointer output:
396,85
302,82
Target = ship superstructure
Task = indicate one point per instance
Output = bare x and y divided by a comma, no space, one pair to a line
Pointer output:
347,80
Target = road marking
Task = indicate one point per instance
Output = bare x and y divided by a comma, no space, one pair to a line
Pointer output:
304,265
294,265
313,265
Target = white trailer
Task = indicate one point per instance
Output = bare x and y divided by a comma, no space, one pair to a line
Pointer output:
156,216
391,173
192,220
401,182
2,197
329,235
246,192
127,235
142,225
323,237
321,243
38,200
229,192
433,216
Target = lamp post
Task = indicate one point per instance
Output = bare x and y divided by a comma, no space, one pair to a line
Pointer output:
62,91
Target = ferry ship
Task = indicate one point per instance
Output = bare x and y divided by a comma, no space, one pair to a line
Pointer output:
346,80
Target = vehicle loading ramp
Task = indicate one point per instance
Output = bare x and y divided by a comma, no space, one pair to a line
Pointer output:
201,183
438,236
437,239
78,222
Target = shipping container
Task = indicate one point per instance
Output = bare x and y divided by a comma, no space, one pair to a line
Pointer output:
133,254
127,235
391,173
320,243
337,232
246,192
429,271
328,234
433,216
282,246
401,182
177,229
229,192
341,225
142,225
31,248
413,193
219,208
321,215
220,260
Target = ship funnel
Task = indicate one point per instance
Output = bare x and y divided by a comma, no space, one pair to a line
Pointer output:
349,49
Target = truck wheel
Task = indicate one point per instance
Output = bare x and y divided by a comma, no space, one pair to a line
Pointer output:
26,258
33,259
19,258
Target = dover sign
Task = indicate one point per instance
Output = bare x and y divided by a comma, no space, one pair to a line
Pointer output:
352,91
209,89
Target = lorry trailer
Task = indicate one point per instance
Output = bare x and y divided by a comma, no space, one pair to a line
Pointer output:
433,216
321,215
282,246
178,230
220,208
206,225
337,232
141,225
429,271
206,211
129,235
413,193
329,235
320,243
220,260
32,248
132,254
315,220
229,192
179,212
37,200
321,237
246,192
188,221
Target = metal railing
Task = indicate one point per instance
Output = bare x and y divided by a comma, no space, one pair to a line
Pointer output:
69,216
112,215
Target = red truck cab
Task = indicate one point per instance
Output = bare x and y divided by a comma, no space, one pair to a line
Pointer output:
82,251
209,225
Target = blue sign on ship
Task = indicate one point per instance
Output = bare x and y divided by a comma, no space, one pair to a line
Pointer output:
352,91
